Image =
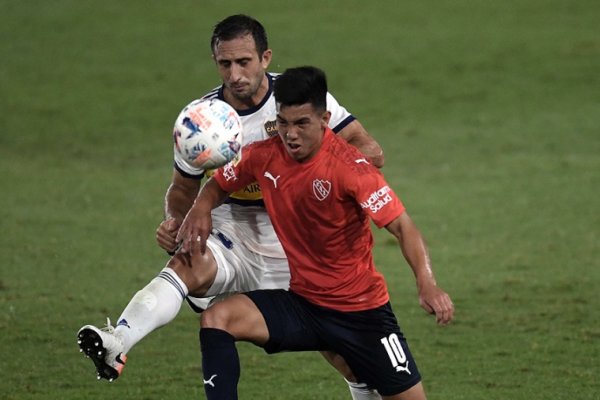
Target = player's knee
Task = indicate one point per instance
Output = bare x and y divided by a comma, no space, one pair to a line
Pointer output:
198,272
216,317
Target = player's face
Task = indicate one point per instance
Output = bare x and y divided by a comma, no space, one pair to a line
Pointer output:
301,129
242,69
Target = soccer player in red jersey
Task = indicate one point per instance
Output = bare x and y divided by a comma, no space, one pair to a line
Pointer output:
320,194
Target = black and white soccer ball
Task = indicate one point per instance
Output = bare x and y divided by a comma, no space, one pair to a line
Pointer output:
208,134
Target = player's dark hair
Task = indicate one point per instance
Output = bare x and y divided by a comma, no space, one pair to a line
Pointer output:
301,85
239,25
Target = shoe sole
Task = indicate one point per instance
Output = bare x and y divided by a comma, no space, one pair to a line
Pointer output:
91,345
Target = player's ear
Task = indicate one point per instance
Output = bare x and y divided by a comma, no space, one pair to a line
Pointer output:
325,118
266,58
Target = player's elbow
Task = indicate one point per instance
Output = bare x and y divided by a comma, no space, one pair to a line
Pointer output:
378,160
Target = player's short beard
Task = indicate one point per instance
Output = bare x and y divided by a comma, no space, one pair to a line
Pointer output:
247,95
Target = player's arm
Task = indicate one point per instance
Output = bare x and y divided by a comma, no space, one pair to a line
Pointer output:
197,224
355,134
433,299
178,200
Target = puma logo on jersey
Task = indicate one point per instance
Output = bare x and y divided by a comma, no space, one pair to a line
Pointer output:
271,177
209,381
361,160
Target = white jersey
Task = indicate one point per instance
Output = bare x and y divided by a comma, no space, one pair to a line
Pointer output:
245,207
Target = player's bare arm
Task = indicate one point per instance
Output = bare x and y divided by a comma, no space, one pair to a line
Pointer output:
197,224
178,200
433,299
355,134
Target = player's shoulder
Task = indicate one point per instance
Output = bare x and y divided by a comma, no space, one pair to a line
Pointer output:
350,158
213,94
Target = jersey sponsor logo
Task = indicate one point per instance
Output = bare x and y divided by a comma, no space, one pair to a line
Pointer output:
271,177
321,189
250,192
377,199
229,173
271,128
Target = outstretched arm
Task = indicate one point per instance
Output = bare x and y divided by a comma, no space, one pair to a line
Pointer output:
197,224
433,299
355,134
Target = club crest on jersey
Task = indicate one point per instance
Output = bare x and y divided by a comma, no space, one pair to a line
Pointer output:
321,189
271,128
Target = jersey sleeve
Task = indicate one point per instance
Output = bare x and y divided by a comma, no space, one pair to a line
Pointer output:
238,174
376,198
340,117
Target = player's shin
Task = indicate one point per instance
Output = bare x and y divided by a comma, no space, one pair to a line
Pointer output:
152,307
220,364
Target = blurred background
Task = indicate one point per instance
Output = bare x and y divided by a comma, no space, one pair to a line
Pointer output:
489,114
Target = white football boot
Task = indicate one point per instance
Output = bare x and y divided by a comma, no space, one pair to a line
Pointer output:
104,348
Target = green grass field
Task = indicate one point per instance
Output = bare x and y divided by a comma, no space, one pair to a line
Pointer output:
489,113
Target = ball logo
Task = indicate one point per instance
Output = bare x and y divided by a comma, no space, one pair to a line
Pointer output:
378,199
321,189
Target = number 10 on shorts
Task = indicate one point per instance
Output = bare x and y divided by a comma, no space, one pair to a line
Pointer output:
395,352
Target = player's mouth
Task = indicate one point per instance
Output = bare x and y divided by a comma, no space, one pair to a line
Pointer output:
238,87
293,148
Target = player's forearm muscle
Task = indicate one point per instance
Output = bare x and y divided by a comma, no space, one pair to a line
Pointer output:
413,248
180,196
355,134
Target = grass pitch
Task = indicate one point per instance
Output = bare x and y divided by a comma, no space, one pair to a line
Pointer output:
489,115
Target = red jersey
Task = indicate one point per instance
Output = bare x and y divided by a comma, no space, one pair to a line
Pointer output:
320,210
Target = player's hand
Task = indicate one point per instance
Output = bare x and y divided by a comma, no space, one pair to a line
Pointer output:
194,231
435,301
166,234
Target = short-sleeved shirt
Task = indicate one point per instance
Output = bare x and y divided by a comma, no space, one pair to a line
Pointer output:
320,210
246,206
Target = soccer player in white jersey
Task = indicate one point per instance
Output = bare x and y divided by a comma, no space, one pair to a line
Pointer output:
243,251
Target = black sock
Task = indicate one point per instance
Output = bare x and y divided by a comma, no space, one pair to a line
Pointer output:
220,364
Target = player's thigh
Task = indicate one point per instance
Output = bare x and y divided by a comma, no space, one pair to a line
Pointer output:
416,392
239,316
290,326
234,271
238,268
374,347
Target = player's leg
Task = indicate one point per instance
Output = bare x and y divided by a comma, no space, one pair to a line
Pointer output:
374,347
416,392
358,390
150,308
235,318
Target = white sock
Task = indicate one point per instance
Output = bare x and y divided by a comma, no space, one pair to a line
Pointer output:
360,391
152,307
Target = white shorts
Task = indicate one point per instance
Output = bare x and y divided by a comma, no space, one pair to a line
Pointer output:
240,269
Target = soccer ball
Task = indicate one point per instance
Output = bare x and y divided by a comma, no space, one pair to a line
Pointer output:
208,134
